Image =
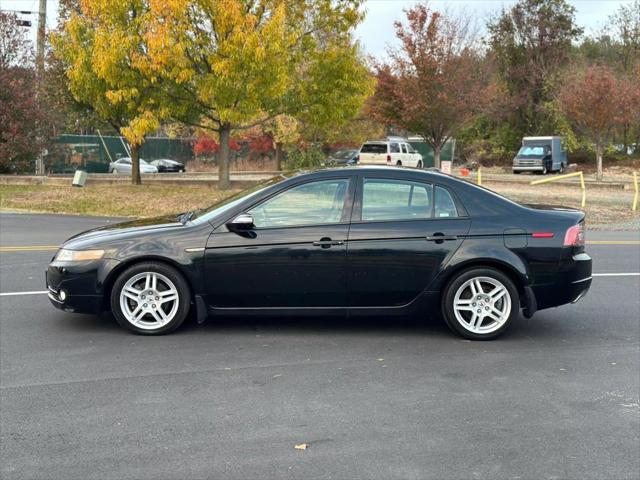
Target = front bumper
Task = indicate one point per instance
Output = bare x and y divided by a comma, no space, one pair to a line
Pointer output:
75,288
572,283
529,168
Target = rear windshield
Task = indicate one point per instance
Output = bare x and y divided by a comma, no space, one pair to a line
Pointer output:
374,148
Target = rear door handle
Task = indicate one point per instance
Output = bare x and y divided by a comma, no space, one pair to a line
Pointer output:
326,242
441,237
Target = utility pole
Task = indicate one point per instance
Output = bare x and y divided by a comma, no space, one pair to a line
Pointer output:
42,28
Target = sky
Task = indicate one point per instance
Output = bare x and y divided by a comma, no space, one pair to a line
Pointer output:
376,32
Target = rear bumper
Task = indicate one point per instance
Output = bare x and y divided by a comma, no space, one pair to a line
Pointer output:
573,281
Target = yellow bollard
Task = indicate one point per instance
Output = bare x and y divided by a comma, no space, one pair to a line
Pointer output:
568,175
634,204
480,176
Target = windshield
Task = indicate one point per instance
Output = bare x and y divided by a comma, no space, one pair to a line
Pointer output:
143,162
533,151
374,148
231,201
344,154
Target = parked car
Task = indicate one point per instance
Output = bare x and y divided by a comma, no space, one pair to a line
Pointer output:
168,165
358,241
123,165
343,157
392,151
540,154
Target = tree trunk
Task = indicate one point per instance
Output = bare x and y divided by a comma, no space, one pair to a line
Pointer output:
279,158
598,162
436,156
224,182
135,165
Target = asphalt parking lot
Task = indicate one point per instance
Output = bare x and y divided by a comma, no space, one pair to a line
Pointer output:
556,397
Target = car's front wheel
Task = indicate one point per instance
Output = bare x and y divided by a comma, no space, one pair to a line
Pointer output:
480,303
150,298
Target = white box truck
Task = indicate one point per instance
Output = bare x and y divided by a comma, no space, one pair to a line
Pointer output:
540,154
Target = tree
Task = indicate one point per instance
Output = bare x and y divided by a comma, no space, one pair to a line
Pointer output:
595,101
530,44
103,53
19,112
241,63
432,84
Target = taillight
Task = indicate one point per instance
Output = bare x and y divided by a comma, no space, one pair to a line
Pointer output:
575,236
388,158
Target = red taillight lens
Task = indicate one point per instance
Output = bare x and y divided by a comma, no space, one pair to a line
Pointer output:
574,236
388,158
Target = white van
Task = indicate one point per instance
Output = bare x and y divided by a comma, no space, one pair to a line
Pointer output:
392,151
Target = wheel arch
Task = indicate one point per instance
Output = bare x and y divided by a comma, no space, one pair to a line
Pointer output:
518,278
111,277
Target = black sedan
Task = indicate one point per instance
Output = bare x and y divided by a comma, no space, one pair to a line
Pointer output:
343,157
168,165
346,241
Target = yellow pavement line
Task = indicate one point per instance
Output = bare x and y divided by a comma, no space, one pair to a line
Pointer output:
613,242
31,248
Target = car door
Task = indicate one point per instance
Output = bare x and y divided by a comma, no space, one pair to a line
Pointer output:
294,254
401,235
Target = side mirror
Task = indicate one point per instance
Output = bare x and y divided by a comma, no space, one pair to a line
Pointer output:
242,222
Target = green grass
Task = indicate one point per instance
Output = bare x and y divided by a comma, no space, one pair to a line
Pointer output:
109,200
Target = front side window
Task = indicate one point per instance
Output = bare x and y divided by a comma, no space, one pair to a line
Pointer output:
394,148
315,203
444,205
395,200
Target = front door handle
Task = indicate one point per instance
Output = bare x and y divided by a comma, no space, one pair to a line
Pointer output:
441,237
326,242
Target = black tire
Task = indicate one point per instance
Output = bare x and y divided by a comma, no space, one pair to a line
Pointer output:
516,172
419,164
398,163
458,281
181,285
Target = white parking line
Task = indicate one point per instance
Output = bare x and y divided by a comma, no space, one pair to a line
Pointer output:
630,274
10,294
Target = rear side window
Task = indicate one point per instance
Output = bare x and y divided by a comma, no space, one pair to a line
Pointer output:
404,148
394,148
445,207
395,200
374,148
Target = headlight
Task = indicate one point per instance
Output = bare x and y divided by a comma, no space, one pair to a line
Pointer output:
78,255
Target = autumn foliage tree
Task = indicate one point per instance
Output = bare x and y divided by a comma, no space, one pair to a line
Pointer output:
241,63
18,106
530,45
432,84
597,102
103,52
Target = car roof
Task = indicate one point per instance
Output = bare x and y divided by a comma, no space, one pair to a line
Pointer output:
392,171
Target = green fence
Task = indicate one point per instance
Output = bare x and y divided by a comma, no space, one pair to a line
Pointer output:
89,152
427,152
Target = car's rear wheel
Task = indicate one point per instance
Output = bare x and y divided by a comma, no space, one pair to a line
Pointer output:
480,303
419,164
398,163
150,298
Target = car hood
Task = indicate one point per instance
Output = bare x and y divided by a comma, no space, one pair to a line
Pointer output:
119,231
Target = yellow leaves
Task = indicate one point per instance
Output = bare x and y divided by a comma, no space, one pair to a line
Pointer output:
139,127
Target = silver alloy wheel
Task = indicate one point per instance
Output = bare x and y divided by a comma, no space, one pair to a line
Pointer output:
149,300
482,305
